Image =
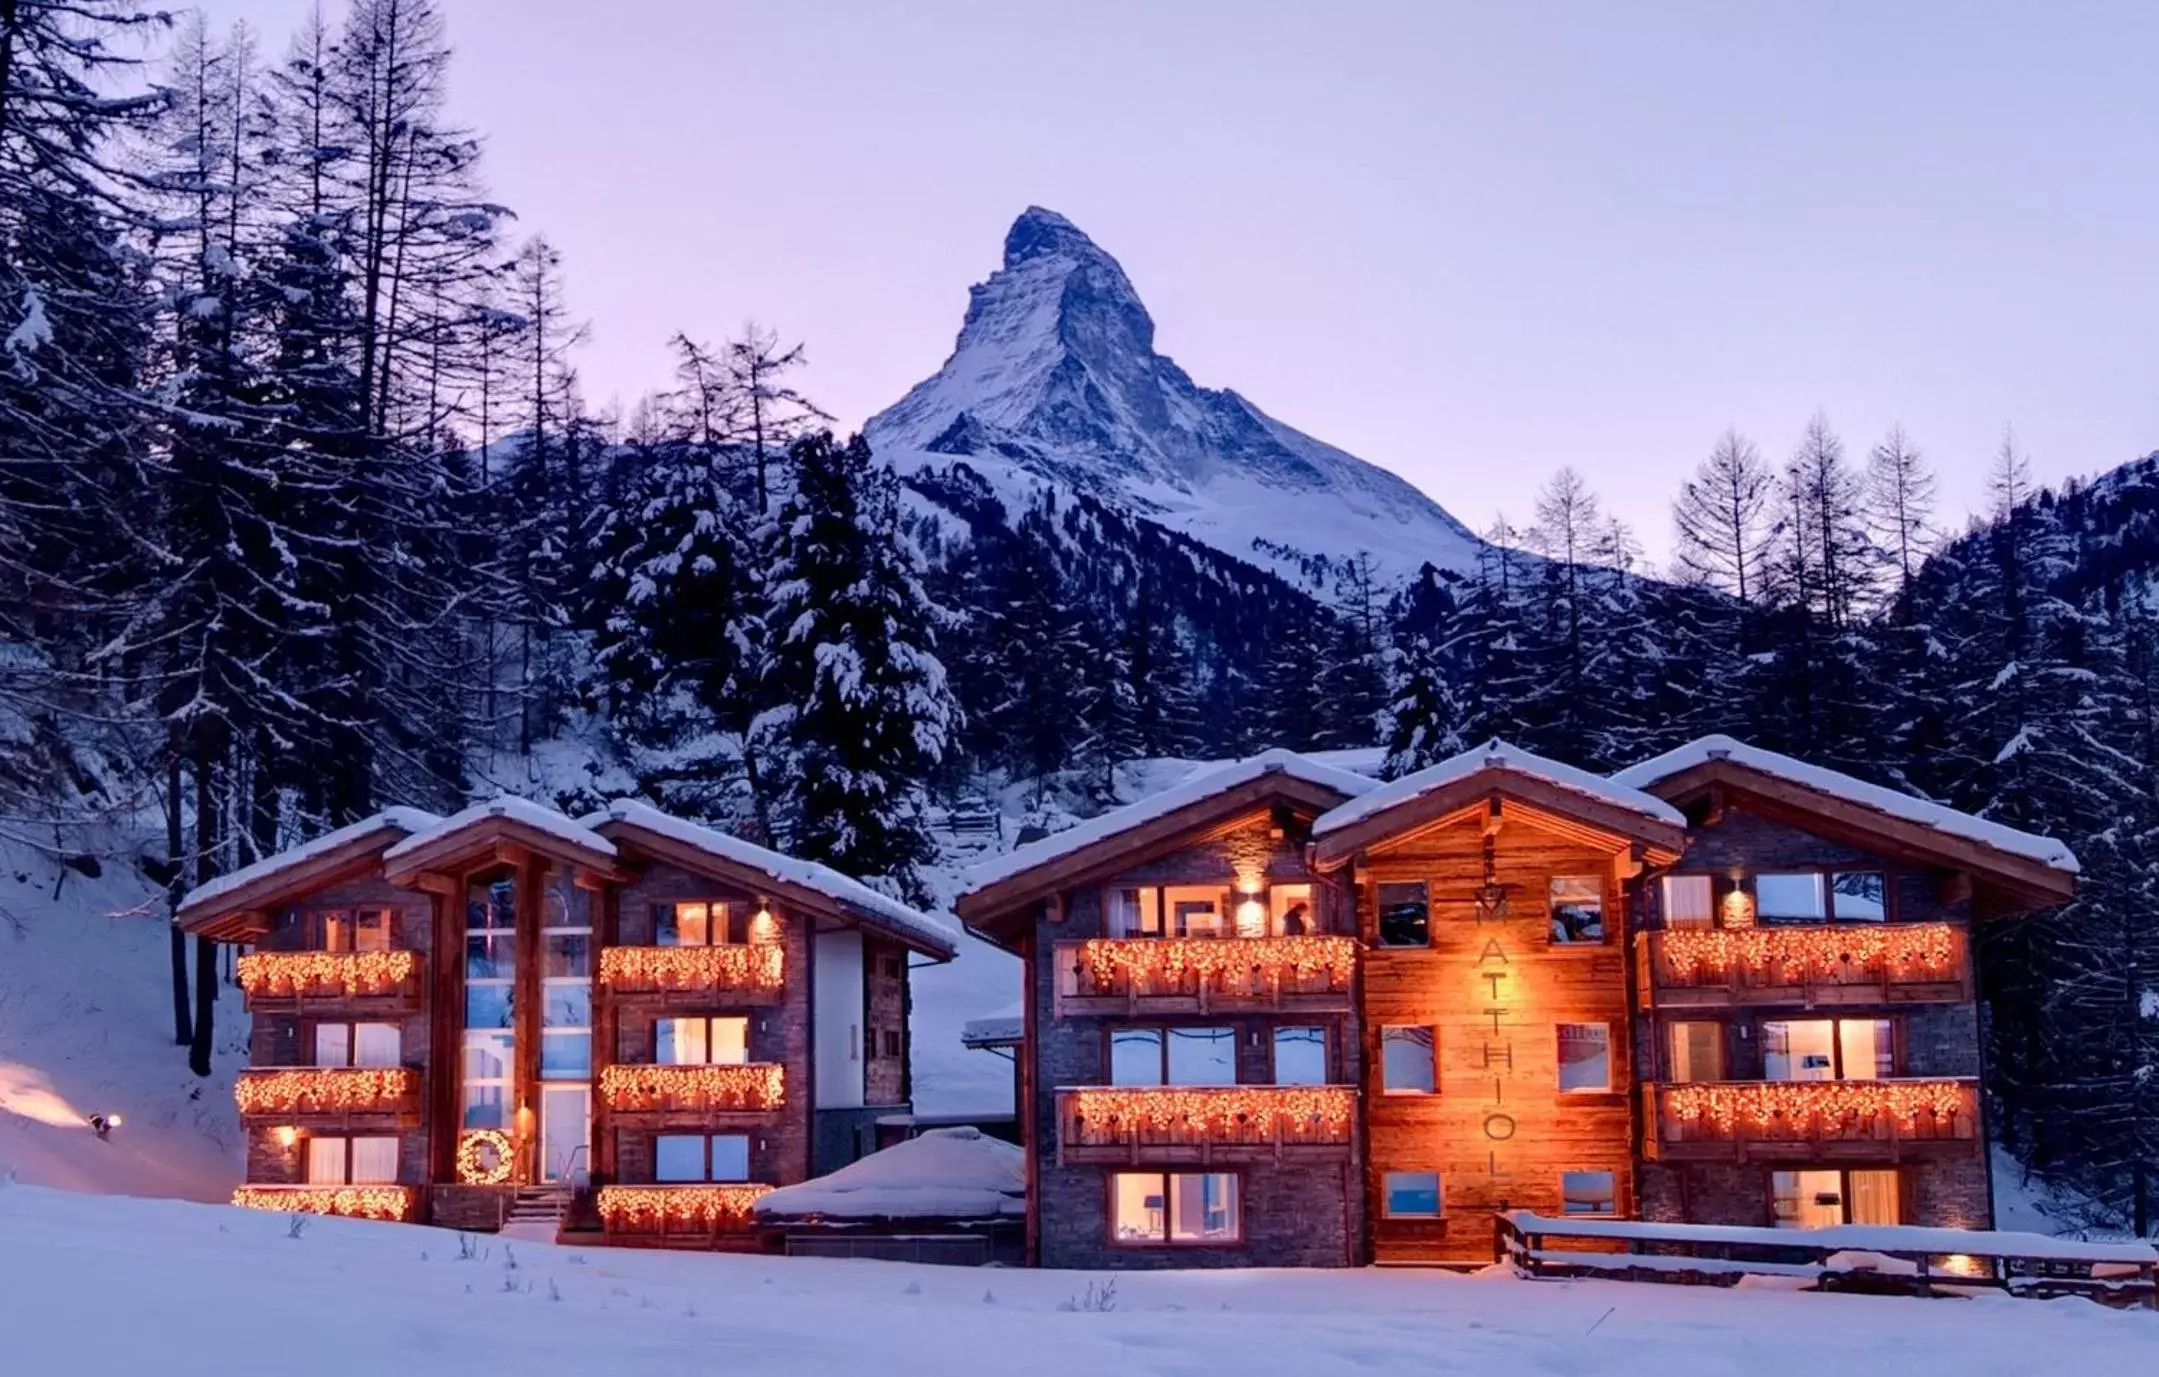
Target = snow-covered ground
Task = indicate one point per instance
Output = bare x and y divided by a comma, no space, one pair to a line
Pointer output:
102,1284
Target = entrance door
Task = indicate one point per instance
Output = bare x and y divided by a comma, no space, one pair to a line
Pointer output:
565,1132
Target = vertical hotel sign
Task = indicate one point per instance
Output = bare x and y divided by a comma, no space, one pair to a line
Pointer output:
1494,973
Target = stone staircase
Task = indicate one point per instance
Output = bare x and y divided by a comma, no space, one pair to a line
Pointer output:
536,1213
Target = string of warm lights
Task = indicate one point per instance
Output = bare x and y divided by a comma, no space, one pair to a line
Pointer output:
392,1203
1115,964
1108,1115
1902,951
734,966
747,1086
474,1168
326,1090
1728,1107
649,1208
325,974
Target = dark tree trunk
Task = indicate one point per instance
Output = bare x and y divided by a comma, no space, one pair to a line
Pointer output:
206,831
183,1021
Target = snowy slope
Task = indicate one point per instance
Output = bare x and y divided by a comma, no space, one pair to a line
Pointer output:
86,1028
1055,381
121,1286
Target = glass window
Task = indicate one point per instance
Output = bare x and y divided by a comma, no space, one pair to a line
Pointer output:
1135,1056
326,1161
700,923
565,1056
1300,1056
1866,1048
376,1044
333,1044
371,930
1405,915
486,1082
490,1005
1585,1057
569,1004
336,926
1872,1197
1822,1049
568,955
1788,898
374,1161
723,1041
678,1157
1289,911
1406,1055
730,1157
1689,901
492,905
1697,1050
1860,896
1807,1199
1202,1056
1135,913
1412,1195
566,981
1197,910
1139,1209
1203,1207
1577,904
1588,1192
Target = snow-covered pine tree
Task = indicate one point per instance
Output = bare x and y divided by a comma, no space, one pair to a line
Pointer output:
1354,679
1425,720
1040,719
862,712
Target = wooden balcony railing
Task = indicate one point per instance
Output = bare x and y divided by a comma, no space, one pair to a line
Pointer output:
756,969
376,981
1231,1123
313,1094
750,1088
687,1212
1890,963
1156,975
394,1203
1808,1120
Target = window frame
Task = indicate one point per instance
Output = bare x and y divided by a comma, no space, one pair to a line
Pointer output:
312,1034
1844,1189
1611,1059
1615,1212
1169,1238
1551,909
1387,1089
1326,1053
346,1141
1664,901
1163,1041
1379,915
1668,1050
653,1039
1826,877
1439,1197
1836,1042
317,928
705,1141
737,916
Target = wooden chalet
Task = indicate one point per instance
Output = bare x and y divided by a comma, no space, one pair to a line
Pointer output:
1285,1015
624,1023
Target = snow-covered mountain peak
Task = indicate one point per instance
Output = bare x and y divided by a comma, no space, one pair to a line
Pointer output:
1054,379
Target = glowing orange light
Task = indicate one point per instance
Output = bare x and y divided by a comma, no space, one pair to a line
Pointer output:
287,1135
393,1203
474,1166
1902,952
753,1086
632,1208
325,974
757,966
1163,963
326,1090
1107,1115
1727,1107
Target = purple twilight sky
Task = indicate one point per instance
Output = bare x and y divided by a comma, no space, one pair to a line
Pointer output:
1467,242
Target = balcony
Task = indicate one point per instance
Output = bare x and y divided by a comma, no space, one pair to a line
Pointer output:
329,982
1197,975
688,1213
750,1088
1811,1121
746,973
324,1096
1168,1125
1809,967
392,1203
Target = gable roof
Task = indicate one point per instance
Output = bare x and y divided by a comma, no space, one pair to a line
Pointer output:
1461,780
507,818
1002,882
643,822
1711,752
215,907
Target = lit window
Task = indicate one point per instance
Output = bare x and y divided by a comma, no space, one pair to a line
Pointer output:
1585,1057
1197,910
1688,901
357,1044
1860,896
374,1161
1788,898
1289,911
1825,1049
1697,1050
566,982
1300,1056
1577,903
365,929
326,1160
1823,1199
722,1041
1174,1207
351,1161
1407,1061
1588,1192
1405,915
1412,1195
1135,913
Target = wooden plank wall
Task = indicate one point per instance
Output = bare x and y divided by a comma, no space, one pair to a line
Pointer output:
1498,1131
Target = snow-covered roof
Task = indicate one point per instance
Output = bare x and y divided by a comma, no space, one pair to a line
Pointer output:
523,810
1197,789
405,821
1007,1025
789,869
1497,754
1908,807
947,1173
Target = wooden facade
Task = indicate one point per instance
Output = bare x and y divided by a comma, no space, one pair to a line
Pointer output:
1540,991
511,1014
